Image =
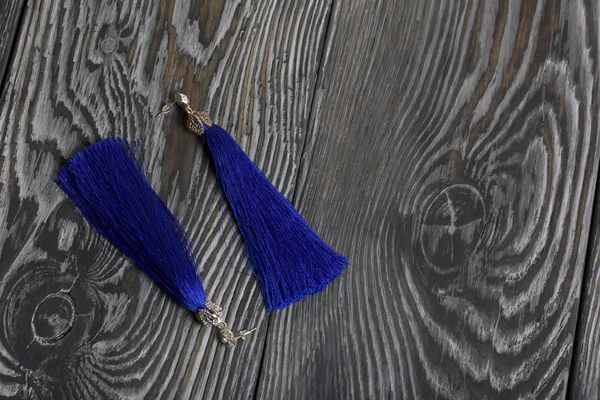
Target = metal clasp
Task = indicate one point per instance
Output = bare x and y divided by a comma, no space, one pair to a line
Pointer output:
196,120
212,315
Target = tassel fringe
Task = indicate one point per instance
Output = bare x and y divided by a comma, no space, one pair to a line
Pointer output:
106,183
290,261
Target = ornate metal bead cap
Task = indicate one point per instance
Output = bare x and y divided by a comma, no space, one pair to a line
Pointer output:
194,124
212,315
195,119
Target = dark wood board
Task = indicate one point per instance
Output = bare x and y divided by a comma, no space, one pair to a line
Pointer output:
584,382
585,372
452,153
77,319
10,16
450,149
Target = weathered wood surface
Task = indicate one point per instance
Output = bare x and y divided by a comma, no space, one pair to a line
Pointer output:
450,149
78,320
452,154
585,374
10,13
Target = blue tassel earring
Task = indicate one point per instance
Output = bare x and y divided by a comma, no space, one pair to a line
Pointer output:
289,260
106,183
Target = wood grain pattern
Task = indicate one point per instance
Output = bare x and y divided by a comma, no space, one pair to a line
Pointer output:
585,374
584,382
452,154
77,319
10,13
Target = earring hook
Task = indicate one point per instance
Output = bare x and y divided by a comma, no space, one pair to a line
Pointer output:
181,100
196,120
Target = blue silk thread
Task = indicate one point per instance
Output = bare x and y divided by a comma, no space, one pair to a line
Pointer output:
289,260
107,184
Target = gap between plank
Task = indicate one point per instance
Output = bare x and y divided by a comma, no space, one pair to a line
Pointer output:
326,42
588,266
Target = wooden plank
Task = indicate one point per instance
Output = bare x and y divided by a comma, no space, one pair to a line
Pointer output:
452,154
585,374
78,320
10,13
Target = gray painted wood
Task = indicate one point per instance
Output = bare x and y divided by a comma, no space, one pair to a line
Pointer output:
452,154
585,372
78,320
10,13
